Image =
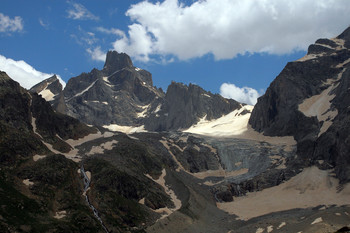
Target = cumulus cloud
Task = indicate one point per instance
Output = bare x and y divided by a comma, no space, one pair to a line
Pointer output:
10,25
23,73
245,95
79,12
97,54
226,28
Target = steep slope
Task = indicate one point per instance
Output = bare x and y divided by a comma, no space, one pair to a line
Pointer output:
183,106
123,95
117,94
49,88
310,101
37,187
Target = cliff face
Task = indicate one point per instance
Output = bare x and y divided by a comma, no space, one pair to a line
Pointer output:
124,95
184,105
309,100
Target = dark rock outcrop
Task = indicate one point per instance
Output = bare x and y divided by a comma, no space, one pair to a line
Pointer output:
321,78
52,84
20,110
184,105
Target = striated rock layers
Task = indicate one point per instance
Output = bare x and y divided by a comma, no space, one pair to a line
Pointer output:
310,100
124,95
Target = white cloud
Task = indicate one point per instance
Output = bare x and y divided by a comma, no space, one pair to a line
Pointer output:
113,31
10,25
226,28
97,54
245,95
78,11
24,73
44,24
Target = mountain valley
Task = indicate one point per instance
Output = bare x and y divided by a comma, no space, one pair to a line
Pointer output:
110,152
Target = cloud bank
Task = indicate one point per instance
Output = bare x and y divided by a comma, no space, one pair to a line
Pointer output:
245,95
10,25
24,73
226,28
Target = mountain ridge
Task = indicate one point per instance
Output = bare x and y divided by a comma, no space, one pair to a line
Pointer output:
121,94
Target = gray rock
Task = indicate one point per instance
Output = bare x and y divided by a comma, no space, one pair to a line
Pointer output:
276,113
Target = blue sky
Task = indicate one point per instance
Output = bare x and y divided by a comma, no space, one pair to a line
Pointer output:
240,43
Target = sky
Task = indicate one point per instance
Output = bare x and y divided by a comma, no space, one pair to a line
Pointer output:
232,47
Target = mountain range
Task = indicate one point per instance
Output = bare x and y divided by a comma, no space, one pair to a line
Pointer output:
110,152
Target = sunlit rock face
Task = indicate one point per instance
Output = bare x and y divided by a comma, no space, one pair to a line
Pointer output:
310,101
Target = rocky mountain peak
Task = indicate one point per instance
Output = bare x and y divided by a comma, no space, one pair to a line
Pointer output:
3,76
346,37
117,61
309,100
51,83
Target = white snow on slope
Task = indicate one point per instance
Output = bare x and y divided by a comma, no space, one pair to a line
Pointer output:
228,125
125,129
340,43
47,94
310,57
320,105
177,202
310,188
143,113
106,80
234,125
82,92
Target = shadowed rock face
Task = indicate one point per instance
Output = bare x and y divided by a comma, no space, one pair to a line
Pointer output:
278,113
184,105
123,94
52,84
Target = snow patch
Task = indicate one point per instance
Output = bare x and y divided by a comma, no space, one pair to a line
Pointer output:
158,108
269,229
137,69
60,214
37,157
125,129
339,42
47,94
235,125
28,182
206,95
177,202
143,113
82,92
320,105
101,148
324,45
310,57
343,64
281,225
231,124
317,220
310,188
142,201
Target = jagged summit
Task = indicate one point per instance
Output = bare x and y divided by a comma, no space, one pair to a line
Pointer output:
49,88
123,95
116,61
